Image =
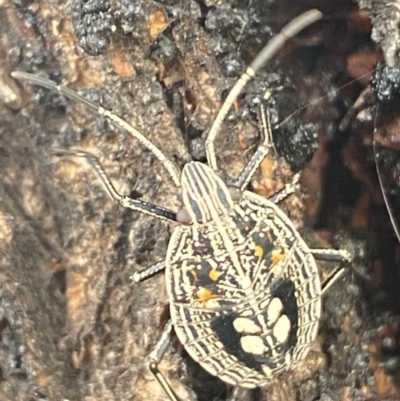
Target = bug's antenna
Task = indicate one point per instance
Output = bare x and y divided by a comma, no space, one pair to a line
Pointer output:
113,118
287,32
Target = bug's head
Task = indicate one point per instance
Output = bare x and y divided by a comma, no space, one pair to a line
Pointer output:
205,196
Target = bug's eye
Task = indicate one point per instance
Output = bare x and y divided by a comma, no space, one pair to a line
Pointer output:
183,217
235,193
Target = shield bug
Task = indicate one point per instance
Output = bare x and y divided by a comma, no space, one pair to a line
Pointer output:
244,288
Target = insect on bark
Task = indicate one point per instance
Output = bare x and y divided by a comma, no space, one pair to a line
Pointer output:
244,289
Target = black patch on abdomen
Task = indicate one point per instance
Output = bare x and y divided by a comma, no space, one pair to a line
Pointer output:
230,338
223,328
285,290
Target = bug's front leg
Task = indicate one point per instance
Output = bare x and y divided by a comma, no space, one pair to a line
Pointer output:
138,205
156,356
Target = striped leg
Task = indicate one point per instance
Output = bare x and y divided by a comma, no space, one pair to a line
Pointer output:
287,190
148,272
331,255
125,201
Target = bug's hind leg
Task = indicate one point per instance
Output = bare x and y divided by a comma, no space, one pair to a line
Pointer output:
125,201
331,279
156,356
332,255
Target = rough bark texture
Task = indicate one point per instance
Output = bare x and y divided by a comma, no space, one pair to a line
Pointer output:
72,325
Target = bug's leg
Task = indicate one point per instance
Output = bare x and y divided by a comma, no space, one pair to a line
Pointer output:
262,151
288,31
156,356
125,201
287,190
331,279
332,255
113,118
147,272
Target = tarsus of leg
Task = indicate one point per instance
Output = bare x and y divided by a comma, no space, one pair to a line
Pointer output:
290,30
113,118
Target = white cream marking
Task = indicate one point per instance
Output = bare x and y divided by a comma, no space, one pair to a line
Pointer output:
252,345
244,325
211,304
274,309
267,371
281,329
244,282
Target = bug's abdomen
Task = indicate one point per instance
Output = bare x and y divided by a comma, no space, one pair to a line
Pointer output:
246,336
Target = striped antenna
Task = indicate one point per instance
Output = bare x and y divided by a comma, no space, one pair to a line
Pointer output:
113,118
271,48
